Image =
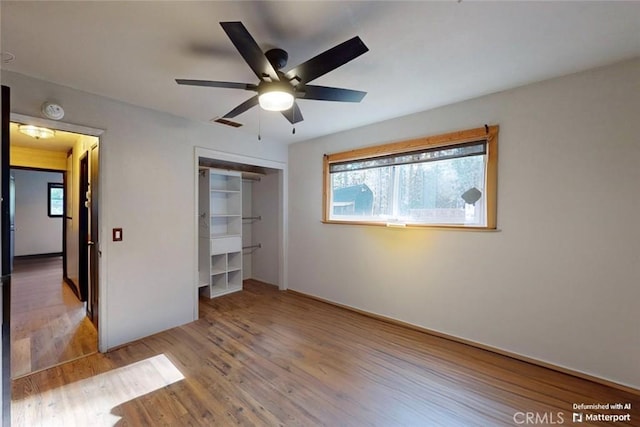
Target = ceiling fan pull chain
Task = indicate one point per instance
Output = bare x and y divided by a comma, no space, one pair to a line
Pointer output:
293,125
259,125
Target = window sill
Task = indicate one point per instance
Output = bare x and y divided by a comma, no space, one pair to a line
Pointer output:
415,226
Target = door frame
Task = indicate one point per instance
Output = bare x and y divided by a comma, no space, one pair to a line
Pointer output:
102,259
5,385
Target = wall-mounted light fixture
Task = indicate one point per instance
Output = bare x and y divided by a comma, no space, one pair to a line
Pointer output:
36,132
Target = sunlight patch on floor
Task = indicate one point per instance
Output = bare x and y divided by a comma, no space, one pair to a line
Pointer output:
89,402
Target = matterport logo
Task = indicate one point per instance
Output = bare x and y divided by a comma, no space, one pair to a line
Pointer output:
579,417
540,418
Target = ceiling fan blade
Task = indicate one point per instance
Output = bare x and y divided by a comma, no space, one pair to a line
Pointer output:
324,93
249,50
293,114
210,83
328,60
249,103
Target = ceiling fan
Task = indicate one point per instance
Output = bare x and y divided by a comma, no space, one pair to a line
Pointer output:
278,90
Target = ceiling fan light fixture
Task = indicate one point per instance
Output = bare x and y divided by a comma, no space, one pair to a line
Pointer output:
36,132
276,97
277,90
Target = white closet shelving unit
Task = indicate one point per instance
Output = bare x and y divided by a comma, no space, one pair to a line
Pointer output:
220,232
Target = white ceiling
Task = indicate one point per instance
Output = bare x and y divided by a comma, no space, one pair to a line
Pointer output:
422,54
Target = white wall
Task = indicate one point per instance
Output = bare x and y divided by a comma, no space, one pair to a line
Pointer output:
266,203
36,233
247,228
147,188
559,282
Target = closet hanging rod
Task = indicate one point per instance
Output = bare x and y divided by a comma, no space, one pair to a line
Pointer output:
259,217
258,246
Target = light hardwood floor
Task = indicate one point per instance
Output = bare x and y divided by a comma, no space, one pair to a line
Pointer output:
264,357
48,322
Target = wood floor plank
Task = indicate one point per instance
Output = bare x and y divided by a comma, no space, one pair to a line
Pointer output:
262,357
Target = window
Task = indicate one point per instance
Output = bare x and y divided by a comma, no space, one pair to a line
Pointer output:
444,181
55,199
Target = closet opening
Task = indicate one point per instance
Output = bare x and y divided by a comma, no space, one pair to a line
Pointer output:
240,206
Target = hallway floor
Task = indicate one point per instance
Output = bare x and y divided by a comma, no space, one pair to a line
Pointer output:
48,322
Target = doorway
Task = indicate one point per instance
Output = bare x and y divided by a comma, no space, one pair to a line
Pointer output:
264,218
55,293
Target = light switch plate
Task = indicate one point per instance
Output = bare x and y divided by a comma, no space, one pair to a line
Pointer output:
117,234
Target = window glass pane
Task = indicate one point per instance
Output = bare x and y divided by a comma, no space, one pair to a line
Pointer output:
56,200
432,192
362,193
429,192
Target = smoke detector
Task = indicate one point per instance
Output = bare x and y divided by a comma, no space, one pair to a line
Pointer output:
7,57
52,111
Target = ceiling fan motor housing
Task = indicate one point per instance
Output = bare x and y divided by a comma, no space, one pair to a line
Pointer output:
277,57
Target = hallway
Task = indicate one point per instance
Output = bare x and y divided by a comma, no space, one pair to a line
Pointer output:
48,322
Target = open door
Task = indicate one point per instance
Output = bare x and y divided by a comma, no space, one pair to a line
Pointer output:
6,260
89,251
94,243
83,229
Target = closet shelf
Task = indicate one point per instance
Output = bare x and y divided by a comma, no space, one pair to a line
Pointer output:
220,232
220,236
